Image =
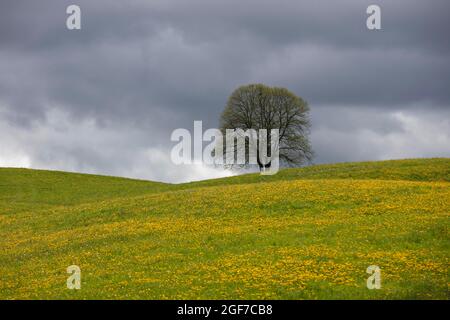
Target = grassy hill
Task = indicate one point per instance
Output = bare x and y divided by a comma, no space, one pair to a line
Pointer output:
303,233
24,189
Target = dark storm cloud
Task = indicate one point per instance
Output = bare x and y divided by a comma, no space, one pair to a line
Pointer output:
407,23
144,68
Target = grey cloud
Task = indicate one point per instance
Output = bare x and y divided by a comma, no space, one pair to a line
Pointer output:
412,23
143,68
363,134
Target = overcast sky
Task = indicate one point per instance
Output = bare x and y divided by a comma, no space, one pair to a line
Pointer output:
105,99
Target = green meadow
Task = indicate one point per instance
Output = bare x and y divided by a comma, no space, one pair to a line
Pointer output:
304,233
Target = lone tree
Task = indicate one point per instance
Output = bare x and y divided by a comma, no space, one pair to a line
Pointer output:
257,106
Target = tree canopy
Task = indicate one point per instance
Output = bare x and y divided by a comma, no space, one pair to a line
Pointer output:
257,106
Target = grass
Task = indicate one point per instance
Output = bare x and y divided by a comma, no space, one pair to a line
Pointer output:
305,233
